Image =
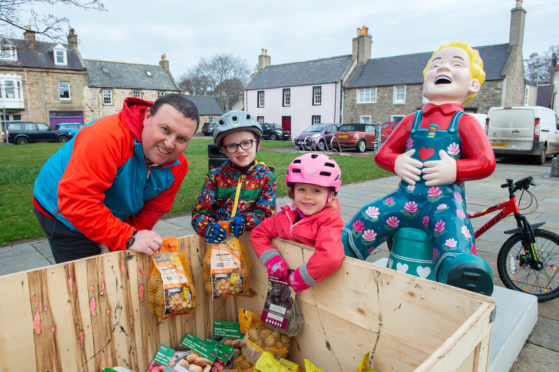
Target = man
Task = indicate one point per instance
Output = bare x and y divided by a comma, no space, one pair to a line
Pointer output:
107,187
434,151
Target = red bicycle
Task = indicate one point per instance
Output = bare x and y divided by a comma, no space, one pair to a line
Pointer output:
528,260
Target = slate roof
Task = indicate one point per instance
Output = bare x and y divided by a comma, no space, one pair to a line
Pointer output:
320,71
408,69
206,105
123,75
41,56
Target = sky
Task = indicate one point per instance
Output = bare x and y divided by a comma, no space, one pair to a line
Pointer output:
140,31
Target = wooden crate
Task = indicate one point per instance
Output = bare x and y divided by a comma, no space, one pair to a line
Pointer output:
93,313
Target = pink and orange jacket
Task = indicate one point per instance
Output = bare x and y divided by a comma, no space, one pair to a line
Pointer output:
323,231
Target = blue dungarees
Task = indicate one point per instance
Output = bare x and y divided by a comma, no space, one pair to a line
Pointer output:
440,211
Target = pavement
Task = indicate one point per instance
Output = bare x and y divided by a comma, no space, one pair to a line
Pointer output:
541,350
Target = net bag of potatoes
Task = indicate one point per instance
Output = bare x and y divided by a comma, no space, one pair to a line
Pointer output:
260,338
226,267
170,288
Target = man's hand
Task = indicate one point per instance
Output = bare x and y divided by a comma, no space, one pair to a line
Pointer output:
407,168
440,172
147,241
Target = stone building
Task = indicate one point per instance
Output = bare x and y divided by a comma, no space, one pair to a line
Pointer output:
109,83
41,81
208,108
387,89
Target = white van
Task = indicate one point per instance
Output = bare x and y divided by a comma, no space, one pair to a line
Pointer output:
481,118
530,130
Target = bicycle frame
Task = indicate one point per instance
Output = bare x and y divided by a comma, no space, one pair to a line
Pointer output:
507,208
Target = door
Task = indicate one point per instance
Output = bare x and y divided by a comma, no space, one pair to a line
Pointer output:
286,123
59,117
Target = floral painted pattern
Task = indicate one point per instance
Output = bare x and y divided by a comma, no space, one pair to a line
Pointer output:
460,214
358,226
425,221
442,207
434,192
466,232
410,188
453,149
392,222
458,197
372,212
410,207
473,249
369,235
409,143
439,227
451,243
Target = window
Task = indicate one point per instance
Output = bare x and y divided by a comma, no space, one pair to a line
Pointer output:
59,53
397,118
260,99
316,96
260,119
137,93
64,90
160,94
399,94
526,94
365,119
367,95
8,52
105,70
316,119
107,97
286,97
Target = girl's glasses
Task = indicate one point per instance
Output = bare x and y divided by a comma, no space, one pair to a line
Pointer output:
234,147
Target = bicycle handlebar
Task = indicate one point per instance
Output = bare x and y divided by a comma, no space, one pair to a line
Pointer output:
522,184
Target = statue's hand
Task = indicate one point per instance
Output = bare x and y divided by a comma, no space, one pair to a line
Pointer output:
407,168
440,172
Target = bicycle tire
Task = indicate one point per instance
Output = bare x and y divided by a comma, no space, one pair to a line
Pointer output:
516,273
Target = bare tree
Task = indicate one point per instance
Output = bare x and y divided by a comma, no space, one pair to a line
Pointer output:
538,67
222,76
13,15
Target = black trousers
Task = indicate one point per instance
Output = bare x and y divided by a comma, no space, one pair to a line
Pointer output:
65,244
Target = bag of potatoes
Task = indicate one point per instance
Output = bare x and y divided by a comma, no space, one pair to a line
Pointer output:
226,267
170,288
260,338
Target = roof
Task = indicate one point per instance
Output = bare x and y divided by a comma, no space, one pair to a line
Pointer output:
40,55
408,69
320,71
107,74
207,105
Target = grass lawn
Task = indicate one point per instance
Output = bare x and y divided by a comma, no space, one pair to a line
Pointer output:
20,165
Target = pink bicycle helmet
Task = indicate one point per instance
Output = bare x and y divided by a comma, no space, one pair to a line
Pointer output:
315,169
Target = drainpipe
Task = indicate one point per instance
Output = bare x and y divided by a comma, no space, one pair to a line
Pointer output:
27,91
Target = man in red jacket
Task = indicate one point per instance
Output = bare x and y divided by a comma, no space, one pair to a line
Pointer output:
108,186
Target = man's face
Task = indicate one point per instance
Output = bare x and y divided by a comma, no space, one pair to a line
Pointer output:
448,79
166,134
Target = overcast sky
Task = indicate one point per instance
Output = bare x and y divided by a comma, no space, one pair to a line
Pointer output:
139,31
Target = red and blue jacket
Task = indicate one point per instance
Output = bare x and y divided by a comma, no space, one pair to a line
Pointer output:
100,185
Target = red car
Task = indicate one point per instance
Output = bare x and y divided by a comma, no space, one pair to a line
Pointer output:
387,128
356,136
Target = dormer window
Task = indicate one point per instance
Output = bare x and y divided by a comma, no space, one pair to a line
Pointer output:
60,57
149,74
105,70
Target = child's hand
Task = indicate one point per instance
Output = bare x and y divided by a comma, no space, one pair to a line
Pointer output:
296,281
277,267
214,233
237,226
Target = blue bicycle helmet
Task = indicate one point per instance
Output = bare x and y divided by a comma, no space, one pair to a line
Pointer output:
235,121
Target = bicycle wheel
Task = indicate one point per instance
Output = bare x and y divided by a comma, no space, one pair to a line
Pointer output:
517,273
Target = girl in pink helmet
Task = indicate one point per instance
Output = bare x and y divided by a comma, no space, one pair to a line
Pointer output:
313,218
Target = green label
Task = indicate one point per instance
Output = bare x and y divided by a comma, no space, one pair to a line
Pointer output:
164,355
201,347
227,329
224,352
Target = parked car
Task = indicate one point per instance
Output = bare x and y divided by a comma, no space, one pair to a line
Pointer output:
358,136
315,137
386,128
274,132
23,132
73,128
528,130
208,128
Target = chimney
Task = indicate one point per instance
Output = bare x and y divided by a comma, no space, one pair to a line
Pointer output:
264,60
517,22
361,45
164,63
72,39
29,36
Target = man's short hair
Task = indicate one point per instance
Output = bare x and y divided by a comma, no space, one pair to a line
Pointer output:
181,103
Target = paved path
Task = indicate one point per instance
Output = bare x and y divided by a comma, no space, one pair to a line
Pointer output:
541,351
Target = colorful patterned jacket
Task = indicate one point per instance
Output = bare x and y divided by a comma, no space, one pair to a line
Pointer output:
257,199
99,184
